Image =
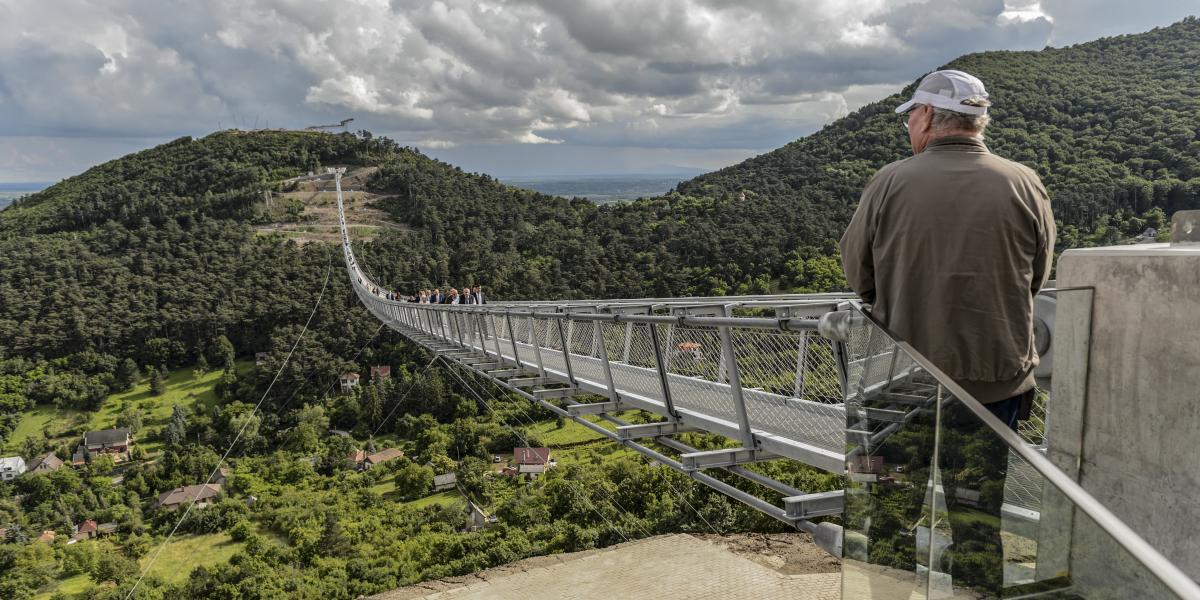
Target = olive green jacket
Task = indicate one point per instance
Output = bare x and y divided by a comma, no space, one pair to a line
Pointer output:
950,246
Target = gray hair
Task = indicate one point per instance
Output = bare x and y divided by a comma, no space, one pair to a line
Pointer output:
948,120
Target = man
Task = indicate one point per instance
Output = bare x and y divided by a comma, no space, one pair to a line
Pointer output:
467,296
436,297
950,246
479,299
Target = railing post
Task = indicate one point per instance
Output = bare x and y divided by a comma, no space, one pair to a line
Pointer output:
721,377
892,370
473,331
839,360
537,346
735,387
456,324
477,331
801,364
598,342
495,337
662,372
628,340
512,339
566,350
452,328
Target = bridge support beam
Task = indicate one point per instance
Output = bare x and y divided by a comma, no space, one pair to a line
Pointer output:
653,430
594,408
821,504
565,392
530,381
501,373
728,457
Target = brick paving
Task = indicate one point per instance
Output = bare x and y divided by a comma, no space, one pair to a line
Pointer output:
672,566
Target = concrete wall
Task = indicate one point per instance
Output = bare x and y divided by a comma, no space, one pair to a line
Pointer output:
1135,436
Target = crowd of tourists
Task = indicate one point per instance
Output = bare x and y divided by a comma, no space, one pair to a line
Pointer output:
468,295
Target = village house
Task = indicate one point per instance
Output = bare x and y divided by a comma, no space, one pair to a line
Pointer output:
381,457
204,494
693,348
445,481
867,464
381,372
47,463
47,537
532,462
89,529
114,442
348,381
11,467
477,518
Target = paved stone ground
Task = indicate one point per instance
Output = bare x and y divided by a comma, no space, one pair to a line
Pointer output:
671,566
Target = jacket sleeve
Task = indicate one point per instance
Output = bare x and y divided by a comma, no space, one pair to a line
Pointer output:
857,259
1043,260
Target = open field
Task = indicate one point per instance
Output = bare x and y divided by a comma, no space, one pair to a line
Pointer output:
445,498
186,552
69,586
42,417
179,557
183,388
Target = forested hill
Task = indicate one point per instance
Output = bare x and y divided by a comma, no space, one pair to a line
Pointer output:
151,254
1109,125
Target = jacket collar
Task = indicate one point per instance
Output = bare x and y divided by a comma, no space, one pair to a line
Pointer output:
956,143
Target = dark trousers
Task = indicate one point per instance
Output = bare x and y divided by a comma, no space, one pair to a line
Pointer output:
886,517
975,459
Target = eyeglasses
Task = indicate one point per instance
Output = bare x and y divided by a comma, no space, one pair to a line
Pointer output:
908,114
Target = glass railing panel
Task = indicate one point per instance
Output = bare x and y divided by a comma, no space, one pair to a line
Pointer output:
1006,531
890,431
945,501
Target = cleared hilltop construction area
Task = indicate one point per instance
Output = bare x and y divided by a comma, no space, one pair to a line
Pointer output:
306,211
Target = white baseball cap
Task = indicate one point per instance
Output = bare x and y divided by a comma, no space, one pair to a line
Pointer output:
951,90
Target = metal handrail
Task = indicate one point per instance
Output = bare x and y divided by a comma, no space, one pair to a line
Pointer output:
1166,572
782,324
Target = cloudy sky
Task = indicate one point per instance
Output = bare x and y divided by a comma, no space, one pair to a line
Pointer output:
518,87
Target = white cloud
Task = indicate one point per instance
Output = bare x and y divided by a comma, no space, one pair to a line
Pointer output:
627,73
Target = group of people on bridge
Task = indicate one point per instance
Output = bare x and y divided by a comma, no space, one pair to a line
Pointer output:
468,295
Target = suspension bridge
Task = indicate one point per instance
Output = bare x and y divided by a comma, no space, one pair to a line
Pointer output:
809,378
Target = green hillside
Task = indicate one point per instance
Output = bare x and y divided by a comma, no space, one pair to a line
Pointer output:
1109,126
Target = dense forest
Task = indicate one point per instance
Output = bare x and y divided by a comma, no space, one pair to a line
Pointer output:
116,277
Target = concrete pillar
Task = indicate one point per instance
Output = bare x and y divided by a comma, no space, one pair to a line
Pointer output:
1134,432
